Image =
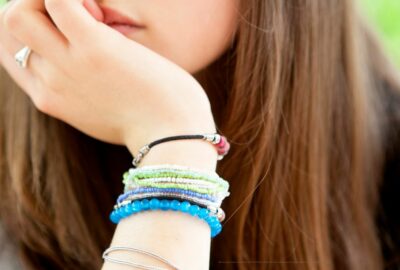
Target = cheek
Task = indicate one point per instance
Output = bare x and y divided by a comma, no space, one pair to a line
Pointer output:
193,33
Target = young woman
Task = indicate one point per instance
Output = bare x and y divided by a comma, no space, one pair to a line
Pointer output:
301,89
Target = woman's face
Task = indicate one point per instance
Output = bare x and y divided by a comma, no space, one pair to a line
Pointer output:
190,33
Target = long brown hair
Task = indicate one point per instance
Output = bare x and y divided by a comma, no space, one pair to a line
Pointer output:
300,96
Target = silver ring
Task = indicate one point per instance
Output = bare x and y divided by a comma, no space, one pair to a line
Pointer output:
21,57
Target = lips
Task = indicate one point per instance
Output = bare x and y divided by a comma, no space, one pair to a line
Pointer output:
115,18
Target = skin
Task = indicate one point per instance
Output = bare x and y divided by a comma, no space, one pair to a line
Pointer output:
147,90
151,65
191,34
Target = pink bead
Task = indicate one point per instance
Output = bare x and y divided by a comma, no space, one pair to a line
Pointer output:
222,142
223,150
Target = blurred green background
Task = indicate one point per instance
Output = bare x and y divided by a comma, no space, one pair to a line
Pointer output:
386,15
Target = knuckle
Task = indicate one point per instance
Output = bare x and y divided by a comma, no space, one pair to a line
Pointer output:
41,102
12,19
42,97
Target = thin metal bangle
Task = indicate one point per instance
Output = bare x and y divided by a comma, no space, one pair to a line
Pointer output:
110,249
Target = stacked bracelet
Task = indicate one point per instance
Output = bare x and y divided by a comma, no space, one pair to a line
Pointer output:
175,187
172,187
176,178
214,210
164,204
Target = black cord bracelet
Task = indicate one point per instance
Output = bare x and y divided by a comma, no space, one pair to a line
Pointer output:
218,140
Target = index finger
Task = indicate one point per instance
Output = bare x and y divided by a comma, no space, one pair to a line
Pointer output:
75,21
28,22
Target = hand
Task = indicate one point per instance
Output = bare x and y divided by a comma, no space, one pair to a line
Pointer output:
94,78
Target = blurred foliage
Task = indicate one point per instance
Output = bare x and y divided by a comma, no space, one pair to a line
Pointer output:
384,13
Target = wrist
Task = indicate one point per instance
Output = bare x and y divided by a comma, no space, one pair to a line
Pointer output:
196,153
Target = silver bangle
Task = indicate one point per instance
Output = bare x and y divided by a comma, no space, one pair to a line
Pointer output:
141,266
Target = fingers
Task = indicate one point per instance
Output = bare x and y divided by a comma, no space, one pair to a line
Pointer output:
27,22
33,80
75,21
24,78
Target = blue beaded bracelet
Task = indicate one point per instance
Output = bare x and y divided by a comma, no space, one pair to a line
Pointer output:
164,204
138,190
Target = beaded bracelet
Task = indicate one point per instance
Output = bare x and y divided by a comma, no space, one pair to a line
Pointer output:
171,173
164,204
220,142
175,181
144,180
215,210
139,190
177,195
172,170
207,199
193,188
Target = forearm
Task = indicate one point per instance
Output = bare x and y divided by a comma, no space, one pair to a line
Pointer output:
182,239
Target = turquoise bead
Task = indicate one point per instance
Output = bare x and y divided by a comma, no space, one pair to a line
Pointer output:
203,212
175,204
164,204
213,220
119,213
135,207
215,231
217,226
145,204
194,209
126,210
154,203
184,207
114,217
208,219
213,234
213,226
